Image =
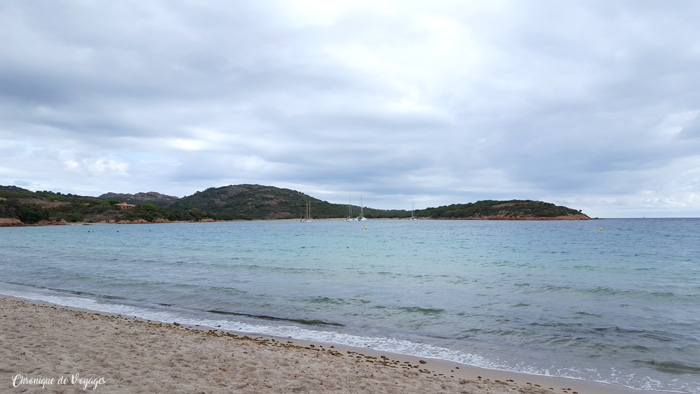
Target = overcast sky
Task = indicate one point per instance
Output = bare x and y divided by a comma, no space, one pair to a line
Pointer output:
590,104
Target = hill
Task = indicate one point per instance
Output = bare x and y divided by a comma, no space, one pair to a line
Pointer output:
251,202
20,206
268,202
140,198
238,202
504,210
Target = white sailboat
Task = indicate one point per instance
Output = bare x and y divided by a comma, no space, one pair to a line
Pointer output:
349,218
307,219
413,210
362,212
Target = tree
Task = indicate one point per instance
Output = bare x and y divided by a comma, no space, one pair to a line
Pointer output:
31,213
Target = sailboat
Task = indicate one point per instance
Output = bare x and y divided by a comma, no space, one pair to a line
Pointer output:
349,218
413,210
307,219
362,212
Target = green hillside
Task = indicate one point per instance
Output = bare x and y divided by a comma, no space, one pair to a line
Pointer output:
269,202
158,199
46,206
237,202
490,209
253,202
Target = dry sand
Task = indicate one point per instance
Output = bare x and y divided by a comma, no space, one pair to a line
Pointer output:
50,349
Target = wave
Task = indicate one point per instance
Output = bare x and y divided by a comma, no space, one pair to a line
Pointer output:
71,292
424,311
378,343
310,322
412,309
671,367
327,300
392,345
605,292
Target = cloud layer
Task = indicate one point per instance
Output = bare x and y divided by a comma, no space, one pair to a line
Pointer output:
594,105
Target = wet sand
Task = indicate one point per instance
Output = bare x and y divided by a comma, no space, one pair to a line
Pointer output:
52,349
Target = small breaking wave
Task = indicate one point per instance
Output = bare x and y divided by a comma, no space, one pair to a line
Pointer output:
309,322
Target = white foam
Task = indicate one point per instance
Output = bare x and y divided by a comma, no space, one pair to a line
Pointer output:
390,345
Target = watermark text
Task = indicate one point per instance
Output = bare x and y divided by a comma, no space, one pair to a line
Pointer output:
75,379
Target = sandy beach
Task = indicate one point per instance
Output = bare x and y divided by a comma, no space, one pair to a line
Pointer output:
46,348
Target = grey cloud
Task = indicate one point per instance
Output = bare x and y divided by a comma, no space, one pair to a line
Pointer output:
691,131
446,101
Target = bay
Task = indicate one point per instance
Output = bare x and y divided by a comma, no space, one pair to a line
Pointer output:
614,300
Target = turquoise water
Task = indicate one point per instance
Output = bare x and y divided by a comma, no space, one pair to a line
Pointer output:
559,298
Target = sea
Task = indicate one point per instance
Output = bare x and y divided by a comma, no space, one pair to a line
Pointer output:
615,301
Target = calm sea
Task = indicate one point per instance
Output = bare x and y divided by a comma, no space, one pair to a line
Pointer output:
615,300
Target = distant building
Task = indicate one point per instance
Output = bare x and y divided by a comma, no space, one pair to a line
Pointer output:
123,205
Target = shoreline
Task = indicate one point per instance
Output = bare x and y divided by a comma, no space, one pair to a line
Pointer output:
12,222
44,341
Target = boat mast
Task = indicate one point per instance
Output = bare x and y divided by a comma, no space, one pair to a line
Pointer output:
308,212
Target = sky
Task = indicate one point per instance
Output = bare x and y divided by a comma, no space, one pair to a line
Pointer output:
594,105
